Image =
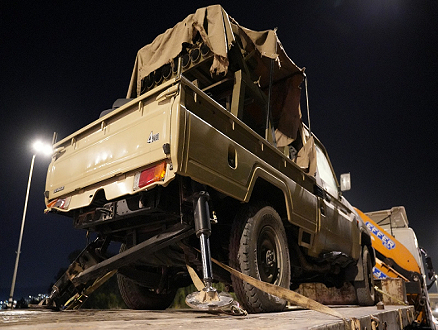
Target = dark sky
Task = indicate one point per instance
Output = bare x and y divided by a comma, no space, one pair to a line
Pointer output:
372,70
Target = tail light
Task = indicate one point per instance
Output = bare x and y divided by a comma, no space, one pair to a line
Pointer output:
150,175
59,203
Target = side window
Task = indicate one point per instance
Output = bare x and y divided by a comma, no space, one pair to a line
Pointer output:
325,173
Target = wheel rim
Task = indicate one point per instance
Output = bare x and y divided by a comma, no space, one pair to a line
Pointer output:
267,255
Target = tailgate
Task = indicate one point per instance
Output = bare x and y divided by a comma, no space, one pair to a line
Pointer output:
106,152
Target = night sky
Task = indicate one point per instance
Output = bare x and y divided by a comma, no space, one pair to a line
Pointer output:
372,70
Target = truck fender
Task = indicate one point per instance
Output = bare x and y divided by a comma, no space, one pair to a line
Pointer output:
261,173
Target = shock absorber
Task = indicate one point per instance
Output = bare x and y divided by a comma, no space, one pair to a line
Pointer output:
203,232
208,297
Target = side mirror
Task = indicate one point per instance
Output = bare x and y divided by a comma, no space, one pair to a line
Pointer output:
429,263
431,271
345,182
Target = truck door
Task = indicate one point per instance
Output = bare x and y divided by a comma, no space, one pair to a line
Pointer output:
336,221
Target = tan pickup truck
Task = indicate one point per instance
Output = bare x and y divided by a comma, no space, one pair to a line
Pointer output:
207,150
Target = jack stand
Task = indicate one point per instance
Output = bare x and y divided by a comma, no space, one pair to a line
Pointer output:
206,298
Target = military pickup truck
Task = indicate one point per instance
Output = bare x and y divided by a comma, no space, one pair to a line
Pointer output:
207,156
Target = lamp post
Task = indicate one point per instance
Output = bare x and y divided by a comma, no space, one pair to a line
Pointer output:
39,147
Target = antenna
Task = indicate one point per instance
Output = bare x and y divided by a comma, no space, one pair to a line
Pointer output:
54,138
307,102
268,105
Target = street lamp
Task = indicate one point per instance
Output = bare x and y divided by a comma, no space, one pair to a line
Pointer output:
45,149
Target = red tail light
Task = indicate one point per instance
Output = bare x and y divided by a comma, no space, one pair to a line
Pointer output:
150,175
60,203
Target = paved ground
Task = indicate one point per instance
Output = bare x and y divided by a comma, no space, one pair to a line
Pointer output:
190,319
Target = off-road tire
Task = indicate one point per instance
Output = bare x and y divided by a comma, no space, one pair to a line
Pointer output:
258,248
365,289
137,296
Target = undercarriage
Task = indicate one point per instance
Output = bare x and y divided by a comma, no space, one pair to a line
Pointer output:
165,232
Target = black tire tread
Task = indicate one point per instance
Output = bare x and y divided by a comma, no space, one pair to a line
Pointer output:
365,294
239,255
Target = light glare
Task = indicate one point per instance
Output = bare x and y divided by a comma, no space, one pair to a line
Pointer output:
43,148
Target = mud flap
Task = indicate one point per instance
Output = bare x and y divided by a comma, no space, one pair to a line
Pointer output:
359,276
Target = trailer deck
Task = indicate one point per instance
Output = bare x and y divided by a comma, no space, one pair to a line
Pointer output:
390,318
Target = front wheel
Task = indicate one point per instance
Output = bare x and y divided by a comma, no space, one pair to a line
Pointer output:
258,248
365,289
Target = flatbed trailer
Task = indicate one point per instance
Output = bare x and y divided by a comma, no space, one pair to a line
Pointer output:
390,318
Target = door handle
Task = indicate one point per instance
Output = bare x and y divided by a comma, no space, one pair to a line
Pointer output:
322,209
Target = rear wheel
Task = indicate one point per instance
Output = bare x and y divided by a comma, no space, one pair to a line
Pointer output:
258,248
137,296
365,289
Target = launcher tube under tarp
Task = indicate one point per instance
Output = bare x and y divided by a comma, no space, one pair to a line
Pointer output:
220,32
217,30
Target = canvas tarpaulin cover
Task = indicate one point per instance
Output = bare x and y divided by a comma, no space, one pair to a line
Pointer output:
218,31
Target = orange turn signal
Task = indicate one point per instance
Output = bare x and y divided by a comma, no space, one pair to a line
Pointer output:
150,175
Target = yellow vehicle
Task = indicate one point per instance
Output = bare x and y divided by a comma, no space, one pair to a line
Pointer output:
399,256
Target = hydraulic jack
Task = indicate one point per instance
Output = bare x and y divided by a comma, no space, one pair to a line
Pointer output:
206,298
